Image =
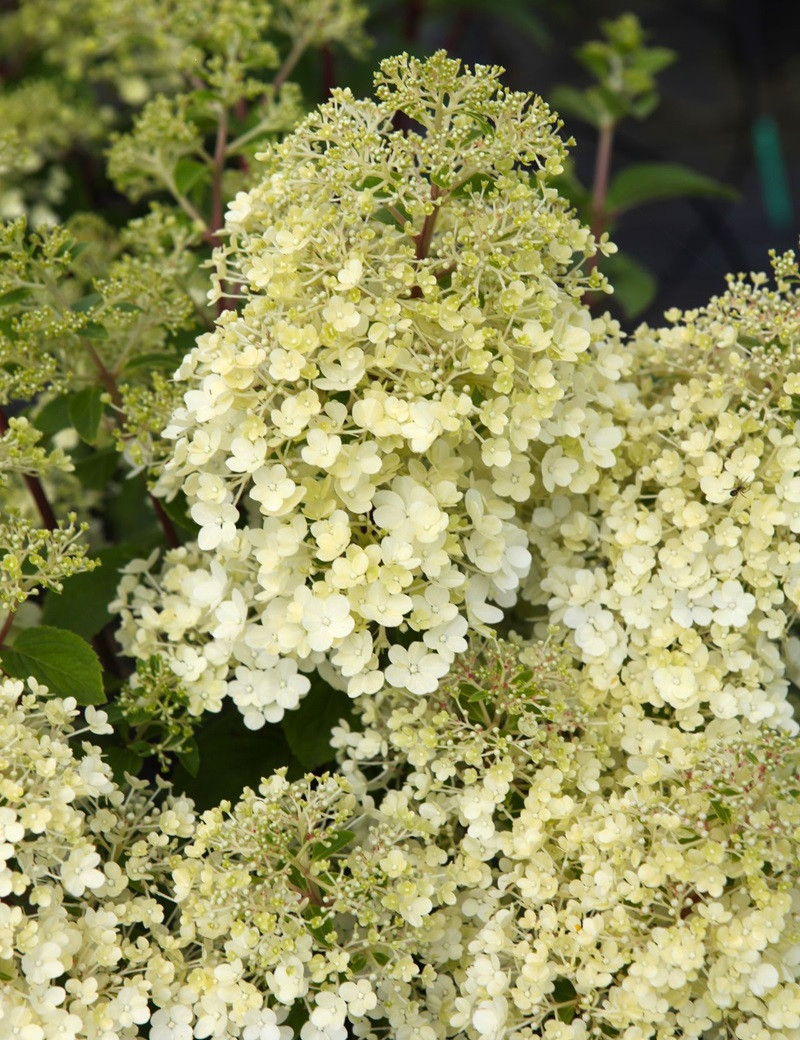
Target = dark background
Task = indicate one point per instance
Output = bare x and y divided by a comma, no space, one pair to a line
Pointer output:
737,60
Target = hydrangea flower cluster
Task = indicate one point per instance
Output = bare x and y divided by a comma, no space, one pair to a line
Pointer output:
88,944
490,869
679,575
356,443
81,934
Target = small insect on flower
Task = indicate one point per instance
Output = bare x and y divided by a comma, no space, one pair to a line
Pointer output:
742,487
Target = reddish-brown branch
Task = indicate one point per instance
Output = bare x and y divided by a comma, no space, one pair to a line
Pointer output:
106,377
602,171
217,204
328,66
170,534
423,240
413,19
6,626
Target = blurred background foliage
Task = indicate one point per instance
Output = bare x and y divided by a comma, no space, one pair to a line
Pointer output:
129,126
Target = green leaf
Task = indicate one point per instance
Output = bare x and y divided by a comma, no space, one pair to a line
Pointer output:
564,993
93,330
649,182
178,512
85,412
95,471
634,286
14,296
189,758
82,606
122,760
54,415
653,59
85,303
233,758
332,843
308,728
473,185
578,103
62,661
129,514
153,360
721,811
571,189
188,173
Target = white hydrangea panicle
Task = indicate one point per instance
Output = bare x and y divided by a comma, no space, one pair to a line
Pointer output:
412,360
678,576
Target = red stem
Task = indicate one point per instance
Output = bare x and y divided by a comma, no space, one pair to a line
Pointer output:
328,71
414,12
217,204
602,170
6,626
170,534
424,238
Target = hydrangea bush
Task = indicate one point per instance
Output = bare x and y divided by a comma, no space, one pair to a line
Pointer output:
550,570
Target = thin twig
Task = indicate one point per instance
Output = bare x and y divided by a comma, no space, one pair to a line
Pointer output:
602,170
292,59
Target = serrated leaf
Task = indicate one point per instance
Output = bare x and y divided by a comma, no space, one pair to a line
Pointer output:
86,411
308,728
650,182
59,659
634,286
